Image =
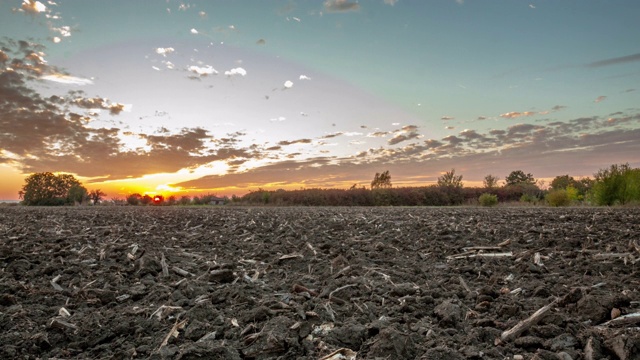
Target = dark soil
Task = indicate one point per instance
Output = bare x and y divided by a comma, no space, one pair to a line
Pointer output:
301,283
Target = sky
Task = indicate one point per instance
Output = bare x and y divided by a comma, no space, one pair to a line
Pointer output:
227,97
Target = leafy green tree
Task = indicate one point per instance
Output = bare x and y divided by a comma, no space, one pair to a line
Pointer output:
619,184
47,188
518,177
450,179
96,196
381,181
576,189
77,194
562,182
490,181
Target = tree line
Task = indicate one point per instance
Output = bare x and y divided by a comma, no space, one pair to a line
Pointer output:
615,185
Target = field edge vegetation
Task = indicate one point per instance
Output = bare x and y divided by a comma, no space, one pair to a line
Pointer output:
619,184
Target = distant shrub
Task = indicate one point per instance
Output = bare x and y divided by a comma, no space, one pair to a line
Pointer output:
558,198
574,194
528,198
487,199
617,185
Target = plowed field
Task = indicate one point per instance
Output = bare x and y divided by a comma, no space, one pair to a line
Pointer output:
319,283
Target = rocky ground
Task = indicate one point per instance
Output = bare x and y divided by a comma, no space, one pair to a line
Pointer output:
319,283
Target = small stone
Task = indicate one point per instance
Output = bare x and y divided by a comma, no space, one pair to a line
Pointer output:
615,312
563,356
221,276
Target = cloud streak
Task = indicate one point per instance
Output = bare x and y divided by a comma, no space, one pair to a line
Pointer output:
341,6
615,61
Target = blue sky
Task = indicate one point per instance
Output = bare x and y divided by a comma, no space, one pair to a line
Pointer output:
228,96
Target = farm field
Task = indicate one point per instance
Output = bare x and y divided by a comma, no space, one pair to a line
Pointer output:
319,283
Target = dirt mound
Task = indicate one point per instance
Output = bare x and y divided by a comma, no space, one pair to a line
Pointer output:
312,283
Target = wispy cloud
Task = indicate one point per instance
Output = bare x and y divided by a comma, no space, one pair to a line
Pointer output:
292,142
615,61
67,79
406,133
516,114
341,6
600,98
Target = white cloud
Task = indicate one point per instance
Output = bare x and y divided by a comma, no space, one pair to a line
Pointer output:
278,119
33,7
169,65
304,77
194,31
164,51
203,70
390,2
67,79
65,31
236,71
288,84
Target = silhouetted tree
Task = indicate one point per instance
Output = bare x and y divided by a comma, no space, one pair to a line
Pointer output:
490,181
96,196
381,181
518,177
146,200
450,179
134,199
47,189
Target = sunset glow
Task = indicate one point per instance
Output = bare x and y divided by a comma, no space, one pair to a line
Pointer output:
226,97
